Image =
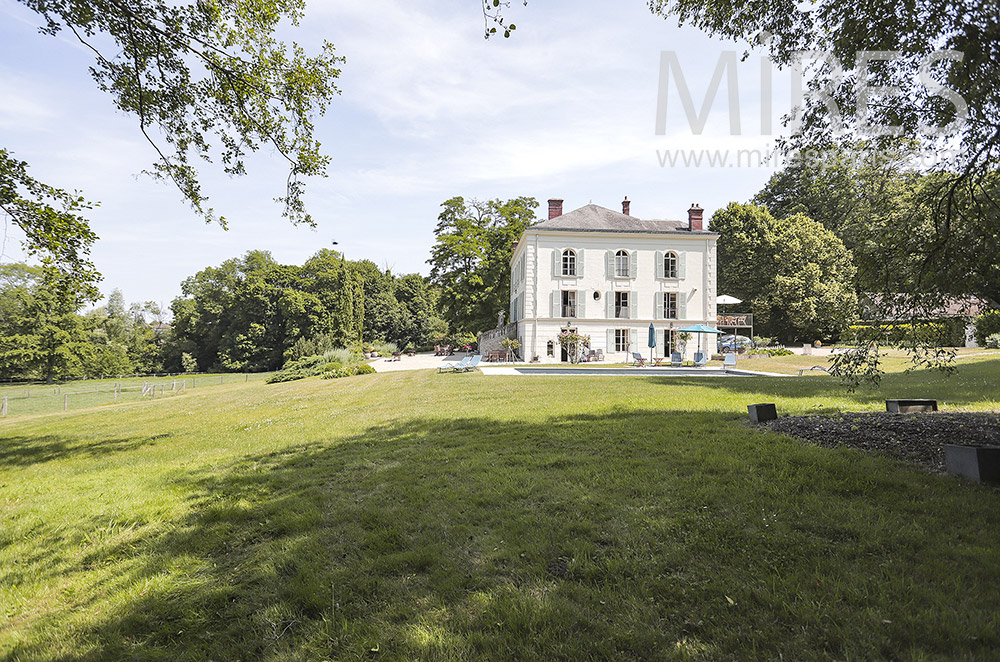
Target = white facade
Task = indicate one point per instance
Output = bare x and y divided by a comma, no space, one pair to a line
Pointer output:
608,275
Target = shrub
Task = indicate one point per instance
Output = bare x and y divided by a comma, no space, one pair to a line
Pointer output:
945,333
307,366
992,341
987,325
341,355
777,351
386,348
348,371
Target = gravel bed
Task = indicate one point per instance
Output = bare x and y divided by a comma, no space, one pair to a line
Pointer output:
916,438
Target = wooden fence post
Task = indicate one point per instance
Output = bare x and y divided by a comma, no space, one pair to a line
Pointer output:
65,402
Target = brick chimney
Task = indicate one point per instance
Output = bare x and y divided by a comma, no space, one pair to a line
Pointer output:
694,217
625,206
555,207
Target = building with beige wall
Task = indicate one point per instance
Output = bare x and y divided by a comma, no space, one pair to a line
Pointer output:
609,275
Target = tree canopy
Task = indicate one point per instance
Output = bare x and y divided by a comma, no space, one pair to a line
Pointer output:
205,81
796,275
470,259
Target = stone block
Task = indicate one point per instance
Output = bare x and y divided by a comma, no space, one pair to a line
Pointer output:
762,412
910,406
981,464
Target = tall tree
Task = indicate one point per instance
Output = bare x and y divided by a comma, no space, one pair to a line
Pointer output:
937,58
470,260
796,274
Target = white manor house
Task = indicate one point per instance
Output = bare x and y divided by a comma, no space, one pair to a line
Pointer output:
608,275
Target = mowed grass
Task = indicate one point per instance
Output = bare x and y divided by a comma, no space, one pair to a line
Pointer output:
38,398
462,517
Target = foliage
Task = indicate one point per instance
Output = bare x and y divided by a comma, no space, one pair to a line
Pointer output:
349,371
986,324
763,341
992,341
307,366
773,351
342,355
470,259
253,314
796,274
187,71
188,363
42,335
510,344
386,348
928,333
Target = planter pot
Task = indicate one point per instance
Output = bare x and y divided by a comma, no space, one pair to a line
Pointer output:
910,406
978,463
762,412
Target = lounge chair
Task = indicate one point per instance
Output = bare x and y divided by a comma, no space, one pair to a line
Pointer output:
455,367
676,360
639,361
599,356
700,359
472,365
729,360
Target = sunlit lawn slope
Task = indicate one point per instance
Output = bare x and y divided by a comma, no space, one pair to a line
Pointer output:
422,516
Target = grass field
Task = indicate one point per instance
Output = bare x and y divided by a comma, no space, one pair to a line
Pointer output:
413,515
27,399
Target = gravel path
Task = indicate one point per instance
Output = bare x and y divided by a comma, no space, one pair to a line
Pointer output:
917,438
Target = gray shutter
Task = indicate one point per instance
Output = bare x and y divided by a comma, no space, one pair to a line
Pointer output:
633,336
633,306
609,264
609,297
633,265
555,301
659,264
658,305
611,342
579,263
556,255
661,344
581,303
682,305
524,268
681,265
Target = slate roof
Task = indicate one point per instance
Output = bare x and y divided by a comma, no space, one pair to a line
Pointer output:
594,218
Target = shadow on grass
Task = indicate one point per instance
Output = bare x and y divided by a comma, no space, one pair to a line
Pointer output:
25,451
628,535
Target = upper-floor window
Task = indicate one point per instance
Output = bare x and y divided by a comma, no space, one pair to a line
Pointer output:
621,305
568,302
670,305
621,264
569,262
670,265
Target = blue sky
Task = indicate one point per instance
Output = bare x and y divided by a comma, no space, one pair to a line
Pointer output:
429,110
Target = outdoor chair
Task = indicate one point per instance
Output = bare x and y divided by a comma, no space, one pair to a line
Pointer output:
700,358
639,361
437,350
599,356
676,360
472,365
729,360
456,367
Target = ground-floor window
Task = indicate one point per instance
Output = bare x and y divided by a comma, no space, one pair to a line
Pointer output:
621,340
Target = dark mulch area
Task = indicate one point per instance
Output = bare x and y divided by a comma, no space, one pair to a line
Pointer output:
917,438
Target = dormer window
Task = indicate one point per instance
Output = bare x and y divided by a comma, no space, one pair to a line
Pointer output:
569,262
670,265
621,264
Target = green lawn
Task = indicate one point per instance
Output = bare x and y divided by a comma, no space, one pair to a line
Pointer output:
421,516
